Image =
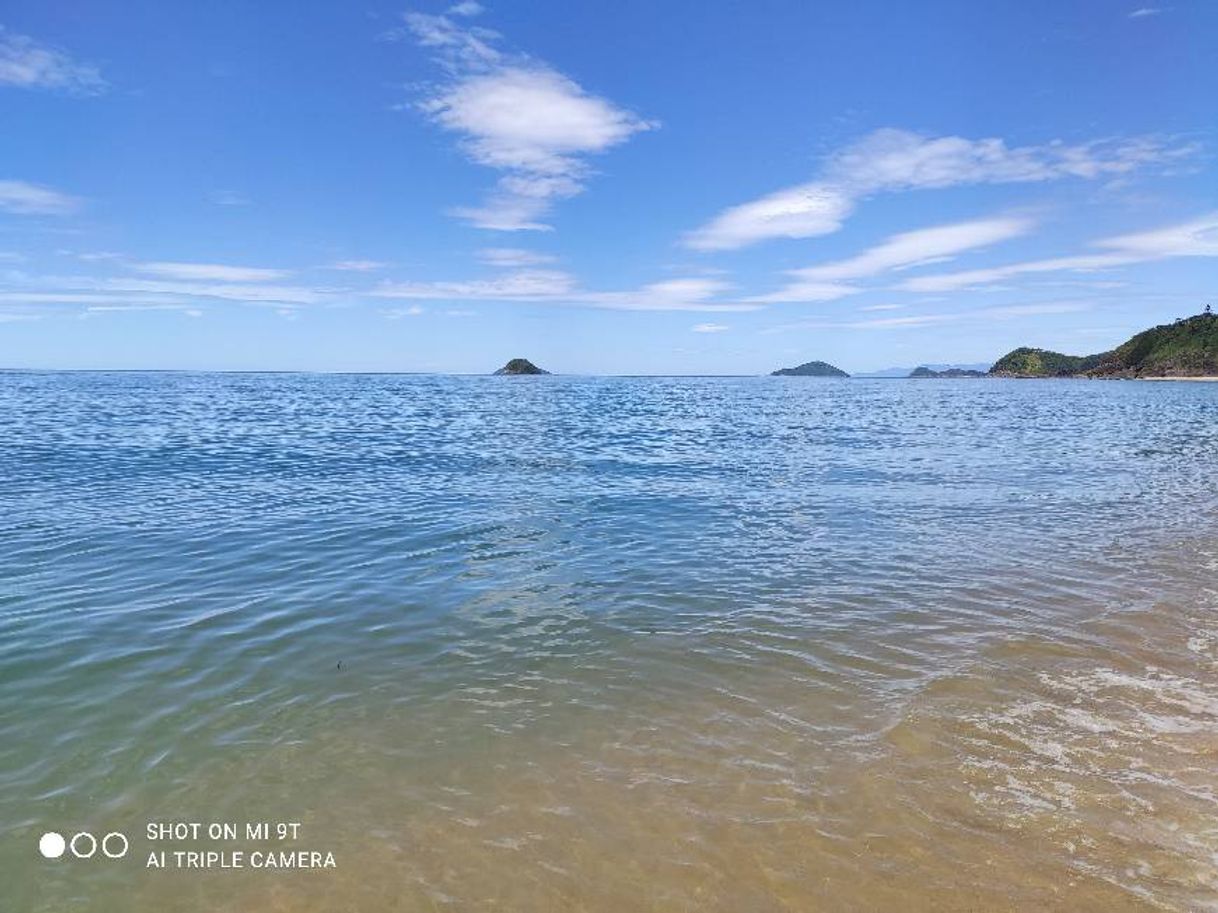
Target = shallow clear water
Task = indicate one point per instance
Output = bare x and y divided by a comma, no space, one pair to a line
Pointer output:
613,644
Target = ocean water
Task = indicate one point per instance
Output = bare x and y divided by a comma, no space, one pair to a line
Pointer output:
611,644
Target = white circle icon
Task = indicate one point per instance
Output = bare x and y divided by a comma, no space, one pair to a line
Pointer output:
52,845
76,851
114,853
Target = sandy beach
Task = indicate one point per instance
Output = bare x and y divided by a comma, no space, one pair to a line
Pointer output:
1205,379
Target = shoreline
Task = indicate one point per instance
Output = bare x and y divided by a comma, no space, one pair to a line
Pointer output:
1206,378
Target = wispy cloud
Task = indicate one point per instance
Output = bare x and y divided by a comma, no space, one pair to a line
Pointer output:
826,281
11,297
358,266
895,323
924,245
209,272
520,117
531,285
1145,11
558,287
891,160
225,291
24,198
916,321
710,327
140,307
691,294
171,286
513,257
1198,238
29,65
398,313
228,198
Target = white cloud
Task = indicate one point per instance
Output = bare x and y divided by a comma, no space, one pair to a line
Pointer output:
128,308
229,198
528,285
555,286
209,272
513,257
807,290
929,320
229,291
466,8
1144,12
29,65
692,294
398,313
891,323
458,49
1035,310
797,212
1198,238
65,298
27,199
903,251
358,266
160,293
891,160
710,328
520,117
947,282
914,248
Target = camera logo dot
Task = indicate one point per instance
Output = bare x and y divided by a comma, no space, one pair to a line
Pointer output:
52,845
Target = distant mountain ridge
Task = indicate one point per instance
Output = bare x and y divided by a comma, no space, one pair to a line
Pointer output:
1186,348
982,366
811,369
925,372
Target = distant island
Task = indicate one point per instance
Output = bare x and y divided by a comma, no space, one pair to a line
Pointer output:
1186,348
519,366
980,367
811,369
925,372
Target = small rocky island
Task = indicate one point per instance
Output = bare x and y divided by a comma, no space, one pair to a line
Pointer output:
811,369
519,366
925,372
1186,348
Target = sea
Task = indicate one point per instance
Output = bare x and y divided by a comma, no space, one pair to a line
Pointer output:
733,644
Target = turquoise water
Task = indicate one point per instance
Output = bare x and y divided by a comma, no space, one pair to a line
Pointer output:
416,612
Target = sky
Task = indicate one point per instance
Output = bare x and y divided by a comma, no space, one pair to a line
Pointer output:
630,188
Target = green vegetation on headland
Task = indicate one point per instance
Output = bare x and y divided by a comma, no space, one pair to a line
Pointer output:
1026,362
1186,348
811,369
924,372
520,366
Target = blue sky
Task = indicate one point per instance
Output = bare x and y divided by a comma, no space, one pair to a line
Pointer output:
634,187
